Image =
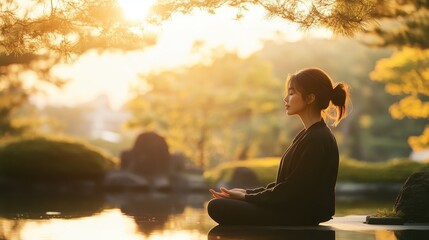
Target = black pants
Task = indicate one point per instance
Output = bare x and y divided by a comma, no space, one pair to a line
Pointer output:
236,212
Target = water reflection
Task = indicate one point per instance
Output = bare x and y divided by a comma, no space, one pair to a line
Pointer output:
321,233
151,211
269,233
45,205
412,235
155,216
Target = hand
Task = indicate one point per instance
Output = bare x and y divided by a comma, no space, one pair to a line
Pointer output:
238,190
237,194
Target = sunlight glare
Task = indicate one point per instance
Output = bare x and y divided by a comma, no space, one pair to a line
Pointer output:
136,9
110,224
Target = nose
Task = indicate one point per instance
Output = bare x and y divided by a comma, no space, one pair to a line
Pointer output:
285,99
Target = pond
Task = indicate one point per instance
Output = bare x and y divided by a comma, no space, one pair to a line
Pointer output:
150,216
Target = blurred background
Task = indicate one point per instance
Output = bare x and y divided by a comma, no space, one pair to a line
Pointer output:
80,81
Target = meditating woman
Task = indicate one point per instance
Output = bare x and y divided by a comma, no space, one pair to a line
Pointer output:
304,191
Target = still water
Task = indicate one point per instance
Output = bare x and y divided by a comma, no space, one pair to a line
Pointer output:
151,216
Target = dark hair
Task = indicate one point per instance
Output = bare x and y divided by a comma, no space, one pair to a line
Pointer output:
316,81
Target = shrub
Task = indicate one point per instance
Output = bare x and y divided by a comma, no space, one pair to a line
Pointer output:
264,168
41,159
393,171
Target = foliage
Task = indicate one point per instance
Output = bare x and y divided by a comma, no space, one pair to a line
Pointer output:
342,17
66,27
15,89
392,171
407,25
196,107
36,35
40,159
406,72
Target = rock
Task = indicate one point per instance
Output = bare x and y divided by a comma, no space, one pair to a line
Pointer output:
151,159
243,177
412,202
126,159
148,157
122,180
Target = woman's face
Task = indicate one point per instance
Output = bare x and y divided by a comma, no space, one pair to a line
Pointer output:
294,101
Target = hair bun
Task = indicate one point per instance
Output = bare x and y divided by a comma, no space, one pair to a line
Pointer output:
338,96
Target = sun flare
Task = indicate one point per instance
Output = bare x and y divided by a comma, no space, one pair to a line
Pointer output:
136,9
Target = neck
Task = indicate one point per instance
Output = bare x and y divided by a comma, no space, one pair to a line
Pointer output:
310,119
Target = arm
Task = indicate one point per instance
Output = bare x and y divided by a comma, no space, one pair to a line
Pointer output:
260,189
304,176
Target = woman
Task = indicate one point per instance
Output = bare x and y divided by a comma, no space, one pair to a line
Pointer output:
304,191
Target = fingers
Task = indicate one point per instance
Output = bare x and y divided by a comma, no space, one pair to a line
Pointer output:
224,190
218,194
214,193
230,194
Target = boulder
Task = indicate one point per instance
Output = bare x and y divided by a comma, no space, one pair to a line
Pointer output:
412,202
148,157
243,177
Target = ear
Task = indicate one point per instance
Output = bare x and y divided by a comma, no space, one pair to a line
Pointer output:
310,98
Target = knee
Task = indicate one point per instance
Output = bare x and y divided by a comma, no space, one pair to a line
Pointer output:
214,208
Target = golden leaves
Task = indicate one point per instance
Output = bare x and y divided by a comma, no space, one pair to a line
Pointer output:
411,107
406,72
420,142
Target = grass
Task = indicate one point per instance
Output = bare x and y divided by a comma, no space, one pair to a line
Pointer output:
385,213
391,171
41,159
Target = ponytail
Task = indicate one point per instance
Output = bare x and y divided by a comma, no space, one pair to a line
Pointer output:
339,96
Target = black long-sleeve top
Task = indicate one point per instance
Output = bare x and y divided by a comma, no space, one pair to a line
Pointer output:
306,178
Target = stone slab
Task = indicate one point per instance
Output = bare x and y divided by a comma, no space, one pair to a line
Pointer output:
356,223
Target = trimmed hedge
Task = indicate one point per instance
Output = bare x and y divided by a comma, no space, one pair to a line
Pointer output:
41,159
391,171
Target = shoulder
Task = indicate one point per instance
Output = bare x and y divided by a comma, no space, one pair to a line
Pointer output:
320,134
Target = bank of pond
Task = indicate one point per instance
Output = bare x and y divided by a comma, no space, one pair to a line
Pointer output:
39,160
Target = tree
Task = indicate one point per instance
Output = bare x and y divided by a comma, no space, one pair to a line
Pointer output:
15,90
343,17
36,35
197,107
66,27
406,72
408,28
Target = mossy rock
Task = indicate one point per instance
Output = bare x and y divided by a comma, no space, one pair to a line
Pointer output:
412,202
51,160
